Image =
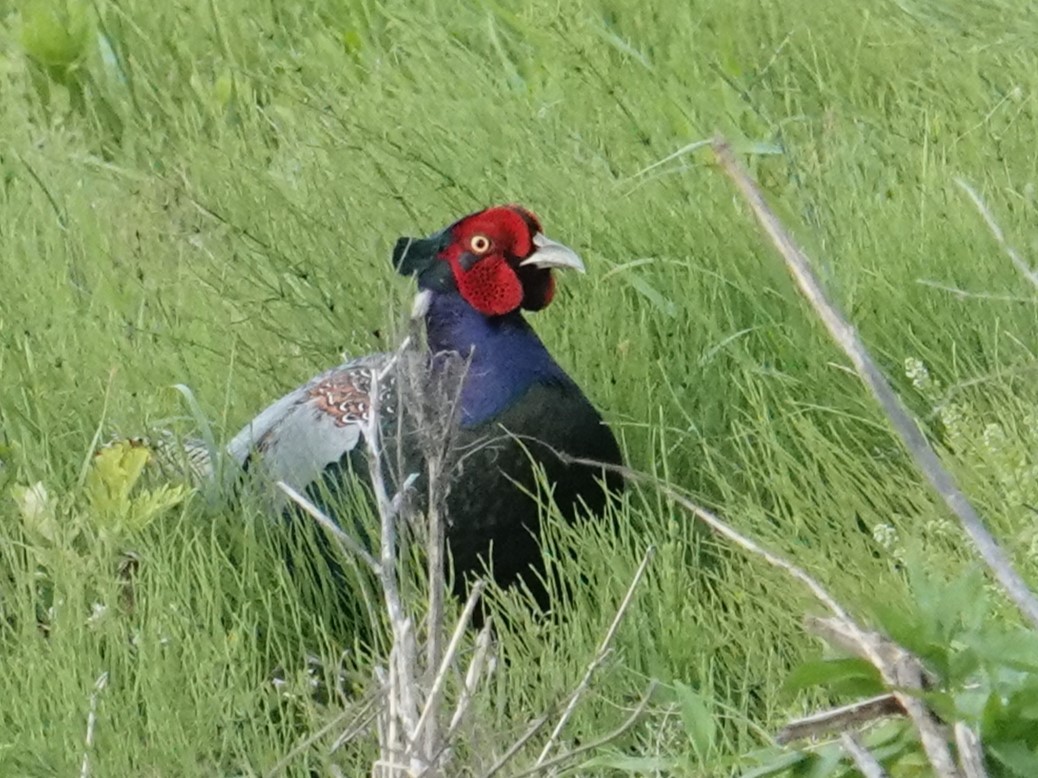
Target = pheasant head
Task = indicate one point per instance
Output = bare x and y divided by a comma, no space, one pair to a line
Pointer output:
498,260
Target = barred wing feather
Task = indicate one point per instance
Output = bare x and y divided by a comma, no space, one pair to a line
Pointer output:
297,437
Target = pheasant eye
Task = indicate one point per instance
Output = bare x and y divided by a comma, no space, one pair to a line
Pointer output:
480,244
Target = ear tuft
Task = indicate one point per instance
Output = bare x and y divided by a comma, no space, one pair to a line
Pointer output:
405,257
413,255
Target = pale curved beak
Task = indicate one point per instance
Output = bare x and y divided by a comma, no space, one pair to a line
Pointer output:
549,254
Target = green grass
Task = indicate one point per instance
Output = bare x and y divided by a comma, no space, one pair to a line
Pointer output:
210,199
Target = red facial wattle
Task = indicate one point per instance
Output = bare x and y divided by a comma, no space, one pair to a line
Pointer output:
490,286
500,260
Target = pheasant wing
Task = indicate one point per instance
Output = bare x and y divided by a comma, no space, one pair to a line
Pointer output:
297,437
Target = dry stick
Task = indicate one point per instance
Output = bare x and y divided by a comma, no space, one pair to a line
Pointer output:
433,698
330,526
1012,253
437,452
404,689
836,633
404,657
318,734
88,741
434,647
404,654
900,670
436,457
715,523
864,760
594,744
512,750
472,676
857,639
839,719
847,338
387,720
600,657
971,755
392,728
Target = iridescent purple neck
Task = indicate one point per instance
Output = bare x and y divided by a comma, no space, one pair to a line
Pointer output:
507,357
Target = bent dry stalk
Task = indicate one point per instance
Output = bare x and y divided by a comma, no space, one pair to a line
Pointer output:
846,337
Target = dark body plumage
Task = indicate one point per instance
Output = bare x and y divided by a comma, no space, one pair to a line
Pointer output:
516,407
496,520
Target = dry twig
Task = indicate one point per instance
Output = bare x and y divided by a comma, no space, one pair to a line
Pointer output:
865,761
432,700
594,745
88,740
330,526
600,657
411,740
1014,256
840,719
901,671
403,656
844,334
896,667
971,755
472,678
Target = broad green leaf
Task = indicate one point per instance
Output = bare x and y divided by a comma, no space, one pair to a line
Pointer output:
635,765
1016,757
662,304
1017,649
55,33
1023,701
827,672
891,740
699,721
897,621
149,505
989,717
825,764
114,472
780,763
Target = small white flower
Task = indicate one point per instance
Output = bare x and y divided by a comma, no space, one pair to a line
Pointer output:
97,612
938,528
994,438
917,373
885,535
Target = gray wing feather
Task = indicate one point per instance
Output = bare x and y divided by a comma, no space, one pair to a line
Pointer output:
297,437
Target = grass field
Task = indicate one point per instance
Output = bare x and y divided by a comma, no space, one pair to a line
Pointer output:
205,193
